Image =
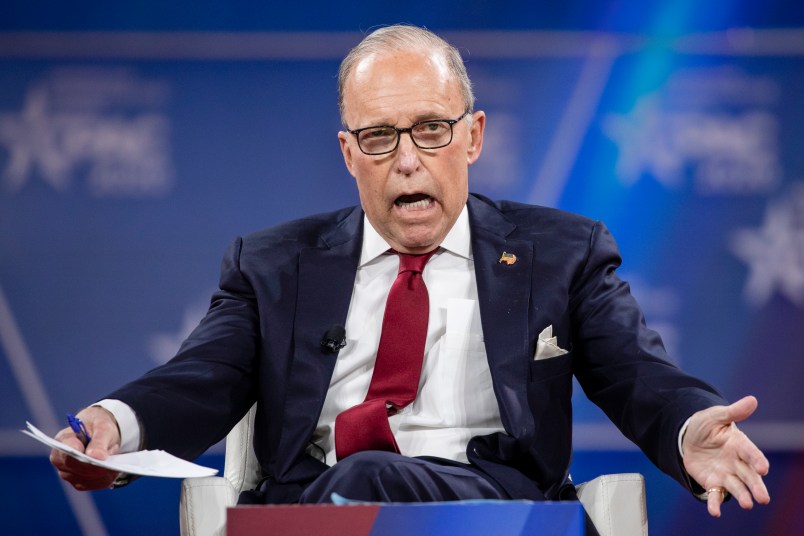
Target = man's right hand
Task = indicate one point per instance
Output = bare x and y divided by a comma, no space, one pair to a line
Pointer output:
103,430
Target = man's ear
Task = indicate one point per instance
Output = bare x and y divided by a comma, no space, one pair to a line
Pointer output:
476,137
346,150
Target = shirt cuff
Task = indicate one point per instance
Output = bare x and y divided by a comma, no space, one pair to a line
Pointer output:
127,423
681,437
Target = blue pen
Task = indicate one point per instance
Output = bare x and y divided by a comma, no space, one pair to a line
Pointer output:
79,428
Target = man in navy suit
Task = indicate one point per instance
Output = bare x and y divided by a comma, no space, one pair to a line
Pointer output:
521,299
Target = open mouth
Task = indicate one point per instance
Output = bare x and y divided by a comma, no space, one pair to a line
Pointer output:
414,201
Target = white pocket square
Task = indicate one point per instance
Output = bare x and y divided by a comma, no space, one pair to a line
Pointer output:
546,346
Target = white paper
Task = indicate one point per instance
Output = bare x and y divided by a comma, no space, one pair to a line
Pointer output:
143,462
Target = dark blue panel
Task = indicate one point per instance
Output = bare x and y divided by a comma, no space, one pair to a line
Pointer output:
631,15
479,518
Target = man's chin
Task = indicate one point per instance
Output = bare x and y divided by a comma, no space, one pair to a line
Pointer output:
416,243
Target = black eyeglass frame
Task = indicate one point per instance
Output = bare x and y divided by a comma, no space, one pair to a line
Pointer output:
409,131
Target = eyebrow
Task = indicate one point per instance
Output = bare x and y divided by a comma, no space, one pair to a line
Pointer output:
426,116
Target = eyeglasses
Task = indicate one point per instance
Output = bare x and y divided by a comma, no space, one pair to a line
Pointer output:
383,139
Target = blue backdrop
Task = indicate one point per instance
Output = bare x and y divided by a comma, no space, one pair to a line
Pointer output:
137,141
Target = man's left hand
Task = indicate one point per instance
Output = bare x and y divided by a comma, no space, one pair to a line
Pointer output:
721,458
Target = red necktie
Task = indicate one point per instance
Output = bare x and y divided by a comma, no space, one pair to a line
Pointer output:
395,379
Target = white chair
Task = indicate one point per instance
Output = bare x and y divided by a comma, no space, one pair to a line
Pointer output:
615,503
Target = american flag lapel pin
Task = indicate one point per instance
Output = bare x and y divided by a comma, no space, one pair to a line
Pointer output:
507,258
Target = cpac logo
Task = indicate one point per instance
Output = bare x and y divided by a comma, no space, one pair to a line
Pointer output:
716,126
102,125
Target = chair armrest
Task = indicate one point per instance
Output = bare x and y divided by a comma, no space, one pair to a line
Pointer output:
240,465
203,505
616,504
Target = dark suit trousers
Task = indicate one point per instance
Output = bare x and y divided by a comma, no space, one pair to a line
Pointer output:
378,476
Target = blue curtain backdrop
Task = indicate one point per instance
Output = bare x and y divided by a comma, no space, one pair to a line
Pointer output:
137,141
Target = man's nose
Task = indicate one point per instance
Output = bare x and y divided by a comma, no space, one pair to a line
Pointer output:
407,155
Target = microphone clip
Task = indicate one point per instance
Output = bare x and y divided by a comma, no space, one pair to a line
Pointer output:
334,339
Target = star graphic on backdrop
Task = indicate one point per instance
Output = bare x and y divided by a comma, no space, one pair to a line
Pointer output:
33,140
775,252
645,144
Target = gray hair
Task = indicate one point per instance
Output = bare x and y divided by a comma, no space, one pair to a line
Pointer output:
402,37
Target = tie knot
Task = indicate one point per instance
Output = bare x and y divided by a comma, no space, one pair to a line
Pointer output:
413,263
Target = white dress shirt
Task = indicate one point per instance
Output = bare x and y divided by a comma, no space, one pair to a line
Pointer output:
455,400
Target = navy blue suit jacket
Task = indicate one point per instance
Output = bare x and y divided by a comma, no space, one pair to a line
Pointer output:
282,288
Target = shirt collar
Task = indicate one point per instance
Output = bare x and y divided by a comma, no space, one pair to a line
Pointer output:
457,241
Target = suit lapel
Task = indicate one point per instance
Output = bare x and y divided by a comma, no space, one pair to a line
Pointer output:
325,283
504,291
